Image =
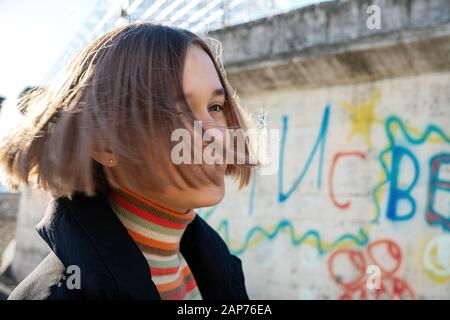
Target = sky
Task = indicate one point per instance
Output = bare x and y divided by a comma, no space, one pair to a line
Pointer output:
33,33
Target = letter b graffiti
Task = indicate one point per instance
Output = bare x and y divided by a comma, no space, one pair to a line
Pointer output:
396,193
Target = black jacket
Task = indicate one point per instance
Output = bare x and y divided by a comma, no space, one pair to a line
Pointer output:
86,233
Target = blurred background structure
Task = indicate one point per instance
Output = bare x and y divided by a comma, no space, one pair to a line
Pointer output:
364,165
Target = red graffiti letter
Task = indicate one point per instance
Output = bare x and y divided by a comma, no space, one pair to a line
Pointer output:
341,205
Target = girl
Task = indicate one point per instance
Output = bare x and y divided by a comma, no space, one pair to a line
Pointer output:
121,223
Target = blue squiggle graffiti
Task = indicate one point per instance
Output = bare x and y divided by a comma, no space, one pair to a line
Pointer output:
361,239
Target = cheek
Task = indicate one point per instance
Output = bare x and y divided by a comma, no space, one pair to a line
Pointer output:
222,121
218,118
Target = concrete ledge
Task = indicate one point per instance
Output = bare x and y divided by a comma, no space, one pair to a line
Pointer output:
330,44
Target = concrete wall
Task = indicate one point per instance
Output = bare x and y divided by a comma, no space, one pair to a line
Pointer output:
8,211
364,175
29,248
8,205
350,153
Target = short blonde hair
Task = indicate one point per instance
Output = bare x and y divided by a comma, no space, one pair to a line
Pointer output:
119,94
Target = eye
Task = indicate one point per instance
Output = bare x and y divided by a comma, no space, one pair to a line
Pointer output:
215,108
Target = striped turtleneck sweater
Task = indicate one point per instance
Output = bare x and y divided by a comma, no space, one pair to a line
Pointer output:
157,231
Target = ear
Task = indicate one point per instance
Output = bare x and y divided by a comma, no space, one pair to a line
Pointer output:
108,159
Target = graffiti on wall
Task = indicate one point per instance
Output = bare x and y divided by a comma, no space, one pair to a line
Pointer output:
351,274
436,258
422,193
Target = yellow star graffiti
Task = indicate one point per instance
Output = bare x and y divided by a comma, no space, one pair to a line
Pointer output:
363,116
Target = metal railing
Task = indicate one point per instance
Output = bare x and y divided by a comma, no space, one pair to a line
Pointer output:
199,16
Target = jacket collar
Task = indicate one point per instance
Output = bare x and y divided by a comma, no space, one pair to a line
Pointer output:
84,231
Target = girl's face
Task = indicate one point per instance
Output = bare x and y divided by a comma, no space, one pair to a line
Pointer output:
205,94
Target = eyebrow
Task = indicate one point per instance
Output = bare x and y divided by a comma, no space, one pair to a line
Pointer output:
219,92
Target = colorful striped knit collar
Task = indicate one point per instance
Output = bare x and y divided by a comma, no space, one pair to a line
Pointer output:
157,231
144,216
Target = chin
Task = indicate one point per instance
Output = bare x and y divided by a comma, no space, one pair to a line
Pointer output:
209,196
